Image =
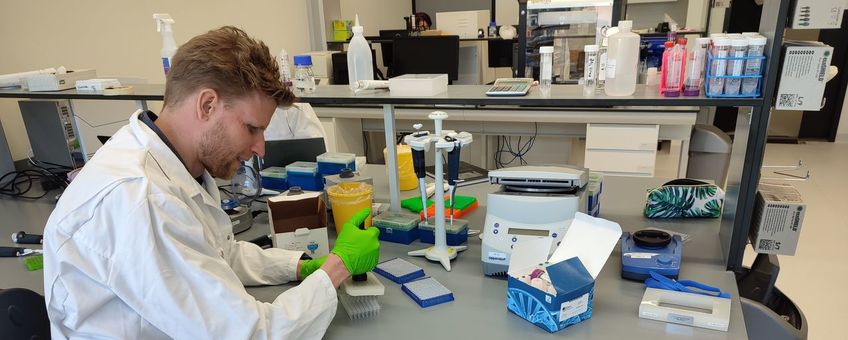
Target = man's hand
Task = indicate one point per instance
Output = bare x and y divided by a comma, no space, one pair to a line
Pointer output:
358,249
310,266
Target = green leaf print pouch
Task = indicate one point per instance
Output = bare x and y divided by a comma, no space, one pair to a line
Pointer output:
684,198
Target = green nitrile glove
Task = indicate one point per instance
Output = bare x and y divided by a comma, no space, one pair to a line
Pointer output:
310,266
358,249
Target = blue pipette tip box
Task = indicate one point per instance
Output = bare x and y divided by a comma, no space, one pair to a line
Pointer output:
427,292
398,270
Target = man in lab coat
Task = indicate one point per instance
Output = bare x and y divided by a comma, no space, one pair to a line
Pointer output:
138,246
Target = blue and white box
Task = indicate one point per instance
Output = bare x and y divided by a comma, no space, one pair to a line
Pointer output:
571,270
332,163
304,175
274,178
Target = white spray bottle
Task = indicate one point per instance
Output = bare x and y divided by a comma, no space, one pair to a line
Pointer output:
359,66
169,46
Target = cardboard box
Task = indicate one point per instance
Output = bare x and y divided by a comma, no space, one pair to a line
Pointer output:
810,14
463,23
299,222
778,215
803,75
572,269
58,81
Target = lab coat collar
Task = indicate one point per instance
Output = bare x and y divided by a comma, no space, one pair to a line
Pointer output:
171,165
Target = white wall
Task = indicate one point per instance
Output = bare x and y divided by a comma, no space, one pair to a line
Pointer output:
376,15
506,12
118,38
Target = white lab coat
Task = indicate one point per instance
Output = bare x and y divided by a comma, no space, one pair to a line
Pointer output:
295,122
137,249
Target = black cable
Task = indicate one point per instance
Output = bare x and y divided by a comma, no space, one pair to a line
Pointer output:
505,146
24,177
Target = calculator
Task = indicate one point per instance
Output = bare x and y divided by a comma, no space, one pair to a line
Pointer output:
510,87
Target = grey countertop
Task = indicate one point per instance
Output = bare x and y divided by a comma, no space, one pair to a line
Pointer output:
479,310
560,96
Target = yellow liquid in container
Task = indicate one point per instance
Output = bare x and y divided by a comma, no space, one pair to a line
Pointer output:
347,199
406,170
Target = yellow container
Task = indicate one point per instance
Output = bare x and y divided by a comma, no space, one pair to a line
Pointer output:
406,170
347,199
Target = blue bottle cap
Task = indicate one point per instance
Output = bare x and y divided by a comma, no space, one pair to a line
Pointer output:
302,60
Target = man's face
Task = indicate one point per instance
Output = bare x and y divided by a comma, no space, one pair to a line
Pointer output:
235,133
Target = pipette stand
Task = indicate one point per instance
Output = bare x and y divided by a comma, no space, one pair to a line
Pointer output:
440,251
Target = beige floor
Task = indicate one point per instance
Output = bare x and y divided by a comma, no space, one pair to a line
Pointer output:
815,277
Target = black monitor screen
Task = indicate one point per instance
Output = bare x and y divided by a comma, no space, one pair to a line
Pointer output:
386,47
438,54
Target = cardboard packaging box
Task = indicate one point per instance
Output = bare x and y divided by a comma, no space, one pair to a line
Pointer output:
778,215
803,75
571,271
810,14
463,23
299,222
58,81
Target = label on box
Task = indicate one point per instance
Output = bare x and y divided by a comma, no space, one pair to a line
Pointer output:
574,307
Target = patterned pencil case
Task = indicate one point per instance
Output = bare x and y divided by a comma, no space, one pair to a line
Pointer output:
684,198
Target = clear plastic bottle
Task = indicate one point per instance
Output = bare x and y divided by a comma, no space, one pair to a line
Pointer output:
602,56
304,78
590,69
622,61
169,46
673,67
285,71
756,45
718,67
738,51
695,70
545,65
359,61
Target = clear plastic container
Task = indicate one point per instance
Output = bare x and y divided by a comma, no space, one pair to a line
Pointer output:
756,45
561,56
602,56
304,78
622,61
695,71
406,170
347,199
590,69
721,49
674,63
738,51
545,65
285,71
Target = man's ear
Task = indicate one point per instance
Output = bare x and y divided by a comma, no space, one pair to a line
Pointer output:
207,102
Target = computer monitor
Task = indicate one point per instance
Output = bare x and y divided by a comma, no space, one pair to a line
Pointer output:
500,52
386,45
284,152
436,54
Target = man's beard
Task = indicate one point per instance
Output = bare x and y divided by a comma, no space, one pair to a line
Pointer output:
215,155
